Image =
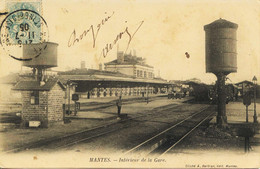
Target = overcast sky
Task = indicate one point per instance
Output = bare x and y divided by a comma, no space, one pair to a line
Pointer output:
167,29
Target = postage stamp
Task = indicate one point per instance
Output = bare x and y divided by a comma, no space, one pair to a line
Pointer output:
34,5
23,25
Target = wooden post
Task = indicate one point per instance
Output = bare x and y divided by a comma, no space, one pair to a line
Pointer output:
247,113
69,97
75,109
246,144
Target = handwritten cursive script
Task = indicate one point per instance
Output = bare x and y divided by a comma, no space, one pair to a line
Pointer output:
73,37
126,32
109,46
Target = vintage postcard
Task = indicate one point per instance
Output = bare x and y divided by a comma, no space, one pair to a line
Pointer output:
129,84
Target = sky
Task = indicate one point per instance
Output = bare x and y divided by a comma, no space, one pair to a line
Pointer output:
161,32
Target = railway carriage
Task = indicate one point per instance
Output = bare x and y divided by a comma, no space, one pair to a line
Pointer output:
208,93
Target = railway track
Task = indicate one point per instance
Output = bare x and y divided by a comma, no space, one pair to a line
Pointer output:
168,139
97,106
88,134
87,137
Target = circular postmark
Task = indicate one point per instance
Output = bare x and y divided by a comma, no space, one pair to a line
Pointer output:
20,29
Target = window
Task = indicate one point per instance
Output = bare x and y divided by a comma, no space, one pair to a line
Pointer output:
141,73
144,74
150,75
35,97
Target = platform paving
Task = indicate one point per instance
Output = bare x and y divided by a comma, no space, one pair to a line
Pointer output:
15,136
113,98
111,112
236,114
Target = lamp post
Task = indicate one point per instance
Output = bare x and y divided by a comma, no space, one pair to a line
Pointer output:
147,94
68,85
254,82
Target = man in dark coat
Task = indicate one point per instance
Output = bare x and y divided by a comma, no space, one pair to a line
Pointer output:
119,105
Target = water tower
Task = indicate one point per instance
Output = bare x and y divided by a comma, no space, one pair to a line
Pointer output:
42,55
42,98
221,59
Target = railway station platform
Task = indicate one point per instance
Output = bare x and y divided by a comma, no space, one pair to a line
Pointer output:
113,98
84,120
110,112
236,116
236,112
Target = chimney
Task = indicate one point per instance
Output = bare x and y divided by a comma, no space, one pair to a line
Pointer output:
100,66
120,57
82,65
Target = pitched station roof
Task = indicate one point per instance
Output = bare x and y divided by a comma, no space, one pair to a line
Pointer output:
245,81
92,72
97,75
35,85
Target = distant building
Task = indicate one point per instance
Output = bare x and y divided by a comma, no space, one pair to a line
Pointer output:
130,65
196,80
244,86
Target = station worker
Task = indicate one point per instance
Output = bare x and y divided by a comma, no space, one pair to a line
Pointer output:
119,105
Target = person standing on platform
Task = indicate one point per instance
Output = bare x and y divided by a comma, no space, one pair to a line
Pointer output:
119,105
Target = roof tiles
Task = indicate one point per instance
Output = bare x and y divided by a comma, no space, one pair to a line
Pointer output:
35,85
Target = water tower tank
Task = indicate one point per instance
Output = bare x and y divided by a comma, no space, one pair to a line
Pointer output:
44,55
221,46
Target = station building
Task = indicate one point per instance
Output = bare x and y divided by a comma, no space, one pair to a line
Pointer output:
244,87
130,65
127,76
